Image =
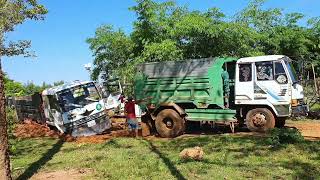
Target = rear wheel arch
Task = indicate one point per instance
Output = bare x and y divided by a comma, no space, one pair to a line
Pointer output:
170,105
248,107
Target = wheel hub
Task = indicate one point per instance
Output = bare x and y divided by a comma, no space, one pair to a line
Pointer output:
169,123
259,120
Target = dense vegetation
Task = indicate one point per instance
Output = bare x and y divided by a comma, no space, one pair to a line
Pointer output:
14,88
165,31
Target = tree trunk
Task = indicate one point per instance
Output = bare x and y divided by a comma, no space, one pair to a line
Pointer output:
5,173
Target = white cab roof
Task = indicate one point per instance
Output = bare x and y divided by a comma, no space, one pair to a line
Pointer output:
260,58
53,90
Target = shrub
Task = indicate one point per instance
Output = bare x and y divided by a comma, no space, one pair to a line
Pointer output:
282,136
12,120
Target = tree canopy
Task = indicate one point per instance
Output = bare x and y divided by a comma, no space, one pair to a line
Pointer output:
165,31
14,88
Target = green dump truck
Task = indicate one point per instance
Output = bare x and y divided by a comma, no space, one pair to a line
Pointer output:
260,92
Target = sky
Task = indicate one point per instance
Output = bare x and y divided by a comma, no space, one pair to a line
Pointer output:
59,41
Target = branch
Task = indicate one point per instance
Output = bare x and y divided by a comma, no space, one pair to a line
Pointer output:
17,48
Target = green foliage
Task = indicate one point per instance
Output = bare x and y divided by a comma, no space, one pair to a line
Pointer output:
112,50
13,13
14,88
163,51
12,118
278,137
57,83
164,31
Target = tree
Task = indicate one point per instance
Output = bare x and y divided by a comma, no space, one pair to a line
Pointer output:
164,31
12,13
13,88
112,50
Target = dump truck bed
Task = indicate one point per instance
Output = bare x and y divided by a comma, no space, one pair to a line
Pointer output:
196,82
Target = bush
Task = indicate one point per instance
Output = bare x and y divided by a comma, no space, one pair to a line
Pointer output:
12,120
282,136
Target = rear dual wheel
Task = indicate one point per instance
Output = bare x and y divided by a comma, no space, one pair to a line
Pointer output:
169,123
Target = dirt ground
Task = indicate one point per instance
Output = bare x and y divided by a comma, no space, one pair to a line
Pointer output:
309,129
28,129
73,174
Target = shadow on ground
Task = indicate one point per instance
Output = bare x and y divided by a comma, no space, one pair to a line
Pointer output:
34,167
173,170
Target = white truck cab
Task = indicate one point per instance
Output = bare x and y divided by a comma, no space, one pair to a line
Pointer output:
76,108
270,82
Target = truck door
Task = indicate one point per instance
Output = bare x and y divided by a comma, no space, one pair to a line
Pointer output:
271,84
244,83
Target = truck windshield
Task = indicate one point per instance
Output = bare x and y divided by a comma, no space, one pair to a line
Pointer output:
78,96
292,72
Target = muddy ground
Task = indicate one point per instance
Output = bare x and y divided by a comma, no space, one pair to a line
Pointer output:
28,129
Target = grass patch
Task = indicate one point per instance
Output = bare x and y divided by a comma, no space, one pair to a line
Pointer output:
126,158
316,107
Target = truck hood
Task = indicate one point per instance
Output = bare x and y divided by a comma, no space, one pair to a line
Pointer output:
79,113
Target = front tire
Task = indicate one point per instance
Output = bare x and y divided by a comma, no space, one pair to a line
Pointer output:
260,120
169,123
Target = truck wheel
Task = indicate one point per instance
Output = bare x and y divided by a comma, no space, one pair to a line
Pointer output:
260,120
169,124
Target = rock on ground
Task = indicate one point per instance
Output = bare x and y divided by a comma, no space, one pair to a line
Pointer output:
195,153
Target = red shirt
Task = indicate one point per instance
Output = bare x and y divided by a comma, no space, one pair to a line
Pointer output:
130,109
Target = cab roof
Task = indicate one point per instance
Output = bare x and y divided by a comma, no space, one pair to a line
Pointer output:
260,58
54,90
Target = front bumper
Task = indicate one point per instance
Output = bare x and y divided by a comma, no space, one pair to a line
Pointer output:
90,127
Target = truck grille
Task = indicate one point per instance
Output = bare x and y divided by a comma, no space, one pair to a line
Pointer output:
87,119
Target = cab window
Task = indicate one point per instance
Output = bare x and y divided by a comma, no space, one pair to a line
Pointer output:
264,71
280,73
53,103
245,72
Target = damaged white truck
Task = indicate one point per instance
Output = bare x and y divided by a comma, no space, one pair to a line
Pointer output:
75,108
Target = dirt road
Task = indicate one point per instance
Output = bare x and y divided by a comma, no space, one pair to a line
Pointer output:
310,129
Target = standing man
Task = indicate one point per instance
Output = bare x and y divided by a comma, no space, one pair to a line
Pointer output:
132,121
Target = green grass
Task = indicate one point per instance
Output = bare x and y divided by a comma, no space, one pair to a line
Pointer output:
316,107
127,158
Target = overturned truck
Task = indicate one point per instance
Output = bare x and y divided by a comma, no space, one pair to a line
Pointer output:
260,92
75,108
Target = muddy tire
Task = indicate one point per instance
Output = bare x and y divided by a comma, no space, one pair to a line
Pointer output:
260,120
280,122
169,123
